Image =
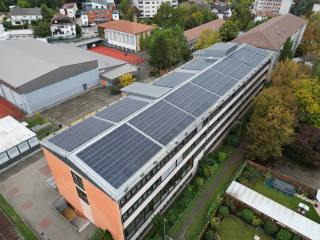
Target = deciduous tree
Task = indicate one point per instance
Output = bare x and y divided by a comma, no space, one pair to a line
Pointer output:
126,79
42,29
287,50
229,30
23,3
207,38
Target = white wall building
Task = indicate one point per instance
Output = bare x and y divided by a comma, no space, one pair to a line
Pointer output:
69,9
97,4
269,8
148,8
124,34
21,16
16,140
62,27
316,7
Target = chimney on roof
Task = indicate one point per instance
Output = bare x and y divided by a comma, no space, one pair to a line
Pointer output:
135,18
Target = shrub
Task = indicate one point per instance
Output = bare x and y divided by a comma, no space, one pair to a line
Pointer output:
199,181
233,140
222,156
115,90
247,215
256,222
296,237
215,223
209,235
249,176
209,171
284,234
223,211
231,205
270,227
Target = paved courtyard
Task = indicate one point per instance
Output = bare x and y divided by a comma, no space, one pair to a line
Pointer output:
74,109
25,188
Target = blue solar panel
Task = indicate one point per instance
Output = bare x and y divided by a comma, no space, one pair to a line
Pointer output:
214,81
119,155
249,57
80,133
173,79
233,68
162,121
192,99
198,64
122,109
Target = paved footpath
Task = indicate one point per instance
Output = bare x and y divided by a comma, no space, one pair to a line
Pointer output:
201,201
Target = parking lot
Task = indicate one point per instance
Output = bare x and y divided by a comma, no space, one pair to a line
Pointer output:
25,188
78,107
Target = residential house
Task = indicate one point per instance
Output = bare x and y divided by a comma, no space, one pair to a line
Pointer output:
20,16
193,34
69,9
221,9
141,151
98,11
125,35
273,33
62,26
148,8
264,9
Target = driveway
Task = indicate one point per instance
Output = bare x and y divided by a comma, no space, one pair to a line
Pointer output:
25,188
78,107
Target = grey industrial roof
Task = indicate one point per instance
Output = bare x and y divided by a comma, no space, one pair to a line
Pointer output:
16,11
145,90
173,79
164,121
27,65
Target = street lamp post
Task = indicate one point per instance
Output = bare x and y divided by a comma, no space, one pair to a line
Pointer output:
164,228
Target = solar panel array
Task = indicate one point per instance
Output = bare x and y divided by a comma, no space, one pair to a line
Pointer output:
77,135
120,154
192,99
215,81
122,109
174,79
198,64
233,68
249,57
162,121
259,51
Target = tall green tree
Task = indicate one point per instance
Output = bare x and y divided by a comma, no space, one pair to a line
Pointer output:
164,16
307,92
46,13
207,38
271,125
229,30
23,3
242,14
42,29
287,50
167,47
3,7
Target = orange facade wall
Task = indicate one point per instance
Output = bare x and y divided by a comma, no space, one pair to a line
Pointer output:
105,212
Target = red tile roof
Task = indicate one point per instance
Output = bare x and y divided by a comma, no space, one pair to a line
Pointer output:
127,57
126,26
194,33
273,33
68,5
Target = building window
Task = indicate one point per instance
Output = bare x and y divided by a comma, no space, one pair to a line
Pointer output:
3,158
77,180
82,195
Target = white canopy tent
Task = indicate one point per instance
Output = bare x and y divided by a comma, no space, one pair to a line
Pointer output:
300,224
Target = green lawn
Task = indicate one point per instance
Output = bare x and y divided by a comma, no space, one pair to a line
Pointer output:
23,229
289,202
233,228
202,218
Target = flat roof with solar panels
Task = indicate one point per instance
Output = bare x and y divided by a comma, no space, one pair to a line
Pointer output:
122,142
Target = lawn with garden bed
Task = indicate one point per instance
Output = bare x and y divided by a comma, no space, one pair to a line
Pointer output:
233,228
252,178
22,228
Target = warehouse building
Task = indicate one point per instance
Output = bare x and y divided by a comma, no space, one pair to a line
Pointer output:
16,140
122,166
35,75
